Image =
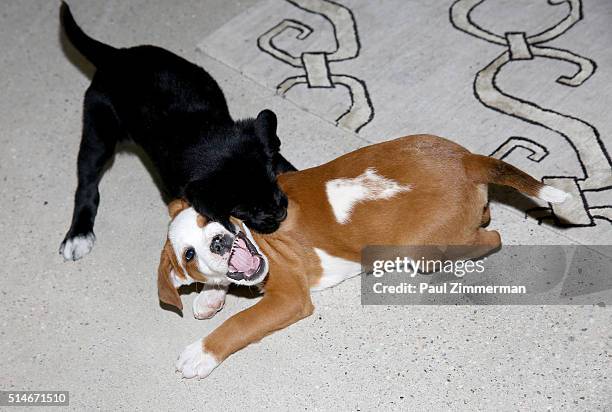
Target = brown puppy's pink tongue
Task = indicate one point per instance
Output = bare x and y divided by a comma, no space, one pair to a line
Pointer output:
242,260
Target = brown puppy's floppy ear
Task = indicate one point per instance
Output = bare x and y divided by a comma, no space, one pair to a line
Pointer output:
177,206
165,289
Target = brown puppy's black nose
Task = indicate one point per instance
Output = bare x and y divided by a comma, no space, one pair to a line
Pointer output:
221,244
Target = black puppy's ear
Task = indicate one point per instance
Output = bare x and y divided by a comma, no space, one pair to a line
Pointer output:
265,130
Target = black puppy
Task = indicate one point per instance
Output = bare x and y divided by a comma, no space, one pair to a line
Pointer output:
177,113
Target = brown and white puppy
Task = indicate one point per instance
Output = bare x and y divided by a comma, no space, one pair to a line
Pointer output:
415,190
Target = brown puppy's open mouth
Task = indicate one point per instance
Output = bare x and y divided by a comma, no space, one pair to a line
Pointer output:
245,262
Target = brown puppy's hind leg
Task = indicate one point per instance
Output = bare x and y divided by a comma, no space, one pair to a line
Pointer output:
482,242
485,242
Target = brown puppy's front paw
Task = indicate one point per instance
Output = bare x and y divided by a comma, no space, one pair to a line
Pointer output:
208,303
195,362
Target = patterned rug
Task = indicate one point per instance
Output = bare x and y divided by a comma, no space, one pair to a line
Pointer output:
527,81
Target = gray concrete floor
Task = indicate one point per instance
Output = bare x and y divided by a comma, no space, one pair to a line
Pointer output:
95,327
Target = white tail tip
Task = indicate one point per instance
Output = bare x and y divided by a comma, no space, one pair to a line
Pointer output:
553,195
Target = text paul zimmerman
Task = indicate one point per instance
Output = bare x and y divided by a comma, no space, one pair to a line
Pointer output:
446,288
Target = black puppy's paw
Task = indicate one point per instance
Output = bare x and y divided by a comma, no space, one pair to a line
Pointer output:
75,247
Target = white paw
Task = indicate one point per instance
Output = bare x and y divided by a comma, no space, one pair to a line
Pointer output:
76,247
193,361
208,303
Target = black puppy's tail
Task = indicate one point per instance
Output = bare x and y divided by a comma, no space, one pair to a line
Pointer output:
96,52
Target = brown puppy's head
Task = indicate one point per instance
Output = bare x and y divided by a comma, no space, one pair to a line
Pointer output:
198,250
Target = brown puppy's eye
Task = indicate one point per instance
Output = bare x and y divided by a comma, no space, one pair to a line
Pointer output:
189,254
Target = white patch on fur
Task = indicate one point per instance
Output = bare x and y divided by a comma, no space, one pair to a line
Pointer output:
553,195
209,301
193,361
334,270
77,247
344,194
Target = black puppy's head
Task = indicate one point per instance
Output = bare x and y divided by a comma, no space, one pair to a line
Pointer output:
260,203
240,179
